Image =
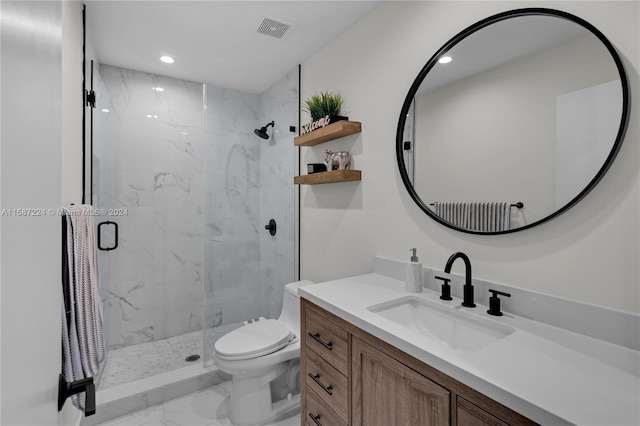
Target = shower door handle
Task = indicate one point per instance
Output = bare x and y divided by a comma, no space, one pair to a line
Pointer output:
115,230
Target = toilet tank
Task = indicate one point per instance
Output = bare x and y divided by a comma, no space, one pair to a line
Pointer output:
290,314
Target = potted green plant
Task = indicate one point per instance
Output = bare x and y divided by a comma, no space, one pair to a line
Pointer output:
322,104
324,108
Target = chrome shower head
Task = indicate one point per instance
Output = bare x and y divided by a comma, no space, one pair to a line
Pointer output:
262,132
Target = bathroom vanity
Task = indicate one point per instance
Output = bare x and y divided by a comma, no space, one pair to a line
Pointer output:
364,363
341,360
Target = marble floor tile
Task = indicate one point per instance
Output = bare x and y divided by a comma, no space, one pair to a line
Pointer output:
206,408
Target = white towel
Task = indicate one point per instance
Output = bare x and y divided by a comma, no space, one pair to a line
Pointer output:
505,213
71,360
456,214
490,217
87,289
82,337
477,216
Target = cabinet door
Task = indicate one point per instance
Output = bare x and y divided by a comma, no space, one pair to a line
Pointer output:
386,392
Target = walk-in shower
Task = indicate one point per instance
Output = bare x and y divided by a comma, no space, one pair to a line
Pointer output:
191,189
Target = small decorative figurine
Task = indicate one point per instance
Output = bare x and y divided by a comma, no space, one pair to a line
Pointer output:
340,160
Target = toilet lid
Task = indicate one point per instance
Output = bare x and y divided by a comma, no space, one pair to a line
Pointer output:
254,340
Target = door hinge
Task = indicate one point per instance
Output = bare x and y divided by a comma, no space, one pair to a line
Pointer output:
91,98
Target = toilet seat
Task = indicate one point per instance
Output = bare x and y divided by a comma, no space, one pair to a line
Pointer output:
254,340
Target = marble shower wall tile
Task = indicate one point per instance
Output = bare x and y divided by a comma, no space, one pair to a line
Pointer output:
156,173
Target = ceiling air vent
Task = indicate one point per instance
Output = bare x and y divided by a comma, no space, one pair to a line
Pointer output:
275,27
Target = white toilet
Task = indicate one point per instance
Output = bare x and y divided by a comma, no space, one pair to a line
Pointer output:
263,357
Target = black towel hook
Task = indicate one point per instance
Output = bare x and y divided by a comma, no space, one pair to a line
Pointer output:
66,389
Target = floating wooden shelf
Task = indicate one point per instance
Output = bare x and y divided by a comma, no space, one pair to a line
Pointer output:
328,177
328,133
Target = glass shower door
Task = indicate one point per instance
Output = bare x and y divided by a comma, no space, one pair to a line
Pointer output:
248,183
99,184
147,173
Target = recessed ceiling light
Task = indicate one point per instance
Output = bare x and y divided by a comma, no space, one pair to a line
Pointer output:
104,110
445,60
167,59
158,89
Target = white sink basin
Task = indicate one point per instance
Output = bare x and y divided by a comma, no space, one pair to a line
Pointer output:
452,326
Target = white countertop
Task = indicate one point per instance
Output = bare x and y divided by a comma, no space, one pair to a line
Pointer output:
550,375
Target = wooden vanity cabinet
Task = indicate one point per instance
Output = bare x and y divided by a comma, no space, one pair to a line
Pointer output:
351,377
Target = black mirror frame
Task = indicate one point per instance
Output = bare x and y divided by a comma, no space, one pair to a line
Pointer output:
461,36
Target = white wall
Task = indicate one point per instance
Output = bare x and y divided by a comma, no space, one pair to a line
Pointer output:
72,102
30,245
590,253
585,118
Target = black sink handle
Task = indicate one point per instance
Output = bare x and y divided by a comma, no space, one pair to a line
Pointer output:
494,302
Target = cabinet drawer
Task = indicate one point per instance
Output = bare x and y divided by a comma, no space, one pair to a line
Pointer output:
328,383
317,413
327,339
489,414
472,415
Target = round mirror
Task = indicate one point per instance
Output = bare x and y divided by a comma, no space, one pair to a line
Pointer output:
512,121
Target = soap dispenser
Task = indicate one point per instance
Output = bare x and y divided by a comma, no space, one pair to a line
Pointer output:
414,274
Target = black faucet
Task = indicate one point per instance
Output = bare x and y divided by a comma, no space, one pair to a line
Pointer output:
467,299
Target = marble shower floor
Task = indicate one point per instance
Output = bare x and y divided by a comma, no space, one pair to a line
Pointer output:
205,408
144,360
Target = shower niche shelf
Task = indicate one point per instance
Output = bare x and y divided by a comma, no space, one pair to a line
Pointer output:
328,133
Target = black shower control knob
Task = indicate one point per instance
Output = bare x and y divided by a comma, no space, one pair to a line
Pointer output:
271,227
